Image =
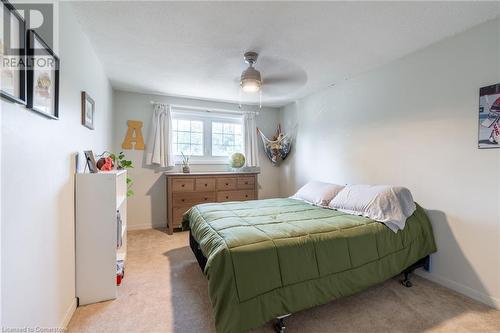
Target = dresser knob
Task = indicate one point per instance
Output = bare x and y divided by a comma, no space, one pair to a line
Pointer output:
246,195
182,185
227,197
206,185
227,184
246,183
206,199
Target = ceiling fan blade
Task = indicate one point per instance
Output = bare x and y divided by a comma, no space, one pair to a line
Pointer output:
284,79
284,84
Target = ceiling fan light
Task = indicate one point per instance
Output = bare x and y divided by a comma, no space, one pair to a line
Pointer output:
250,80
250,85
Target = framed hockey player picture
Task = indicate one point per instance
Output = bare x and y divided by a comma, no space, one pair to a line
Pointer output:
489,117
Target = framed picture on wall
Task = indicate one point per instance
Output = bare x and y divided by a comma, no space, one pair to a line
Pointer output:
12,54
88,111
489,117
43,77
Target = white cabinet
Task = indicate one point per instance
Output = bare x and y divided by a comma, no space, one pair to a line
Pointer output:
100,198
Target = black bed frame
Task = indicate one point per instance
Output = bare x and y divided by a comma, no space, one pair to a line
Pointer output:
195,247
279,326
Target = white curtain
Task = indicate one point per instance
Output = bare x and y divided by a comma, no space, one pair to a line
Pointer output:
251,143
159,147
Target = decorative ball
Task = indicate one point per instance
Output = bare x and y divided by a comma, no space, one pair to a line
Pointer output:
237,160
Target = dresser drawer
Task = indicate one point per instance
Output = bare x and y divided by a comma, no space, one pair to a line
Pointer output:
226,184
246,195
183,185
235,196
227,196
205,184
187,190
246,183
177,214
191,199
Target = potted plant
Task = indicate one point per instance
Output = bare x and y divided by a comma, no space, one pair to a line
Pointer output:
185,163
120,163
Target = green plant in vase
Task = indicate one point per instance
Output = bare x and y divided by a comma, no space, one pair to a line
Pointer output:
185,163
121,163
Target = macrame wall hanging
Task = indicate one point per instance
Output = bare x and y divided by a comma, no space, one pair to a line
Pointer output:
278,147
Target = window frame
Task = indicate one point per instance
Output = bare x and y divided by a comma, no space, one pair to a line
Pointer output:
207,117
203,135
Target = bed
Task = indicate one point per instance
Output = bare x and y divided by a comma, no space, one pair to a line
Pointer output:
265,259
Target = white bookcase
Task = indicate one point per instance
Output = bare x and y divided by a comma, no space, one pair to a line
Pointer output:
99,196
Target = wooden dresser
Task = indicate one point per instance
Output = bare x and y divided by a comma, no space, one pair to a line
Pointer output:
185,190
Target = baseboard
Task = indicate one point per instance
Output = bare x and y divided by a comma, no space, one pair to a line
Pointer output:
69,313
460,288
140,226
146,226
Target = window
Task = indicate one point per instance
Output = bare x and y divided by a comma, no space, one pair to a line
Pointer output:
227,138
187,137
207,137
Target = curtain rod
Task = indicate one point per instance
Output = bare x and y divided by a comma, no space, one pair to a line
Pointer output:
202,109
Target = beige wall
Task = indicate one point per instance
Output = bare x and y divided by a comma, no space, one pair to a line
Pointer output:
414,123
147,208
38,167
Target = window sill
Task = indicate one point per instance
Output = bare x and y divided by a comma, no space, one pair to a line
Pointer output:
206,162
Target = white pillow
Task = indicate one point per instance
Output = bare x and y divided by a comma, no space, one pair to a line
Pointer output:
390,205
317,193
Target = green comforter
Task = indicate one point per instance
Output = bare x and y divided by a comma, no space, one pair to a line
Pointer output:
267,258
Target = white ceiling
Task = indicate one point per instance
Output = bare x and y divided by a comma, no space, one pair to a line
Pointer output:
195,49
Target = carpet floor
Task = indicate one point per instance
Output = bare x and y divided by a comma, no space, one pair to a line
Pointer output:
165,291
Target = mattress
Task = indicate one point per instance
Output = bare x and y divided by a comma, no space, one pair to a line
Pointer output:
267,258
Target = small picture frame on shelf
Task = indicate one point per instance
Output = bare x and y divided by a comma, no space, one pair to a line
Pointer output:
12,53
88,111
42,77
90,161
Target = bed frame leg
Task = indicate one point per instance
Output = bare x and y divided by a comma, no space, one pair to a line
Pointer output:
424,263
427,263
279,326
406,280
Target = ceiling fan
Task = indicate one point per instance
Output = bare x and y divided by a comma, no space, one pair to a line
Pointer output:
282,76
250,80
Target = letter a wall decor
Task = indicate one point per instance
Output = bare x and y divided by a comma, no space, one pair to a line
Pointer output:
134,135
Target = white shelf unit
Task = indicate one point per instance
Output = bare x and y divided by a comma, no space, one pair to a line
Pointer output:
98,198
